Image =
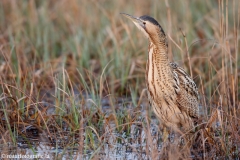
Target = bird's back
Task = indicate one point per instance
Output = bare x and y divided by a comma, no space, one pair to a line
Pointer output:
187,96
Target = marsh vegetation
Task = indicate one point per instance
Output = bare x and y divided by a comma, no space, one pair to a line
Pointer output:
72,77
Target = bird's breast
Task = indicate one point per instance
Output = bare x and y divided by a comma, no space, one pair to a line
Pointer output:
158,75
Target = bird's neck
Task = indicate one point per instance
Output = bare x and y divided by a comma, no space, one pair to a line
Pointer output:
158,67
158,71
159,41
158,53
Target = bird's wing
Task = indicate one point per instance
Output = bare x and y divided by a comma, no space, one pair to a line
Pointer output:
187,92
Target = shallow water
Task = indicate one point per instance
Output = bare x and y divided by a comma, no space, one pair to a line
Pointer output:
140,141
114,146
125,144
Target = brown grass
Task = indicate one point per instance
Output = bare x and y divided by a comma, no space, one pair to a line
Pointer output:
84,62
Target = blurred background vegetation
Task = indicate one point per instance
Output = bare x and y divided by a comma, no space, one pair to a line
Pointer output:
86,46
39,38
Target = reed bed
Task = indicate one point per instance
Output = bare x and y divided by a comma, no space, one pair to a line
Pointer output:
72,75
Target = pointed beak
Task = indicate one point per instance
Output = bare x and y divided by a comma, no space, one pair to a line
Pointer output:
135,20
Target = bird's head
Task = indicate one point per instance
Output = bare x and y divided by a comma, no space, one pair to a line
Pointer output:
150,27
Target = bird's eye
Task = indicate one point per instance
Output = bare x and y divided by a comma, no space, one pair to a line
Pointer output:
144,23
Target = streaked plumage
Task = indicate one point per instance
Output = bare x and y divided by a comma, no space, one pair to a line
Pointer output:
171,92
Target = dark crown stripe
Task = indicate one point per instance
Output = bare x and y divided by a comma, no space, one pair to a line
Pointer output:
153,21
150,19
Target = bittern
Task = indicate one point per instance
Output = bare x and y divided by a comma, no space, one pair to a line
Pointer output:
171,91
